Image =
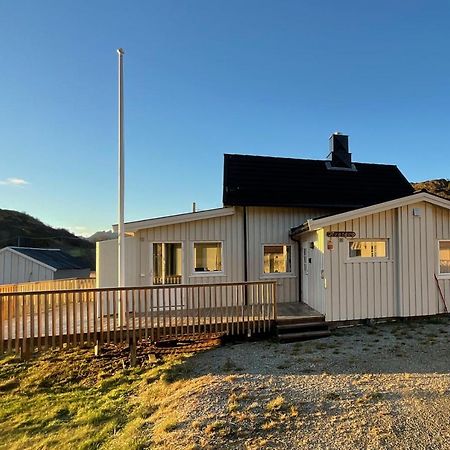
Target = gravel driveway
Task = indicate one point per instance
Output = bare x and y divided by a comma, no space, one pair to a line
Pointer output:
385,386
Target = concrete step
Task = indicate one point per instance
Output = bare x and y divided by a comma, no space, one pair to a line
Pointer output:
300,327
303,336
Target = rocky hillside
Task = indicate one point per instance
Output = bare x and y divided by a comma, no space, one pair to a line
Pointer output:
21,229
102,236
439,187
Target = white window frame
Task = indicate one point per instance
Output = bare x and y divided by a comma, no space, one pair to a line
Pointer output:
444,276
195,274
362,259
151,261
290,274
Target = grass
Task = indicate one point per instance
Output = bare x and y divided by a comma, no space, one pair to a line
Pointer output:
72,400
276,404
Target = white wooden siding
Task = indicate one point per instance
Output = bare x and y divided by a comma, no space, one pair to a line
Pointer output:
264,226
226,229
401,285
442,231
267,225
106,263
15,268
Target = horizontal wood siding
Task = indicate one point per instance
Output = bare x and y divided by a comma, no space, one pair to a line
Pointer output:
267,225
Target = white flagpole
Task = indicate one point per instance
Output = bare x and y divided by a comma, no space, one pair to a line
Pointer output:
121,227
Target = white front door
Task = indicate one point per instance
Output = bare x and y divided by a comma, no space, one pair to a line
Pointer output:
313,290
305,268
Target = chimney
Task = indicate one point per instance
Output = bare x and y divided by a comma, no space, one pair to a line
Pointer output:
340,156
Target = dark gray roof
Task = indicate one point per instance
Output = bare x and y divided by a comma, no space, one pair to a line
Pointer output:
272,181
55,258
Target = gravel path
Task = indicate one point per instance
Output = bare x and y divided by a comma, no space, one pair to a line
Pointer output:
386,386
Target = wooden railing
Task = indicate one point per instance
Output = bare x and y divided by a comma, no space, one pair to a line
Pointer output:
36,320
49,285
45,285
168,279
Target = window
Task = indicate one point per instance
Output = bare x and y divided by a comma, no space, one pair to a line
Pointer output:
277,259
208,257
167,263
444,257
368,249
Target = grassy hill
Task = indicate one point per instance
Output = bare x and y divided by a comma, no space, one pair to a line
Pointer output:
18,228
439,187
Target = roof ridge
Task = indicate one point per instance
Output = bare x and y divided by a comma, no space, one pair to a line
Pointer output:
304,159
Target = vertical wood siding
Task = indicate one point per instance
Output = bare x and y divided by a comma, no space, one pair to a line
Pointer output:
227,229
15,268
360,289
267,225
264,226
404,284
442,224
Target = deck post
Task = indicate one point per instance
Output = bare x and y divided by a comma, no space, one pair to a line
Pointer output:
97,348
274,299
133,354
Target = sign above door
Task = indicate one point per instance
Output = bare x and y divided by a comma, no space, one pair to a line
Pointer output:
344,234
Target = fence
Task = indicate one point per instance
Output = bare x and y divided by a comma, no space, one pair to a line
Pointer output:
45,285
36,320
49,285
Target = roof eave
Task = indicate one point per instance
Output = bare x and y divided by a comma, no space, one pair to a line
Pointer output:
36,261
176,219
379,207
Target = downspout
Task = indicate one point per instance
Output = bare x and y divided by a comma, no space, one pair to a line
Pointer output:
298,240
245,256
299,270
245,246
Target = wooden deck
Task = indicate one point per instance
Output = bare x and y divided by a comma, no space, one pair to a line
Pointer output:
297,310
31,321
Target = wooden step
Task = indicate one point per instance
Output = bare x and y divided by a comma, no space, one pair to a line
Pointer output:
303,319
303,336
302,326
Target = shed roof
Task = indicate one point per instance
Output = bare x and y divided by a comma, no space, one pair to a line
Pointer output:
52,257
273,181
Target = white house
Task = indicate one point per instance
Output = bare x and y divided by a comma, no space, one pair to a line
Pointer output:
350,239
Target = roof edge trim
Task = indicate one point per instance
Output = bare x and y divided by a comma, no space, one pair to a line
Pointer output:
312,225
177,218
36,261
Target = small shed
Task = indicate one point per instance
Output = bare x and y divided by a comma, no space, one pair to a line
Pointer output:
24,264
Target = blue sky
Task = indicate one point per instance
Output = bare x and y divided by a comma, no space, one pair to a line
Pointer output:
204,78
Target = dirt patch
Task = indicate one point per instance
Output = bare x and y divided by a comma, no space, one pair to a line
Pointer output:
380,387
